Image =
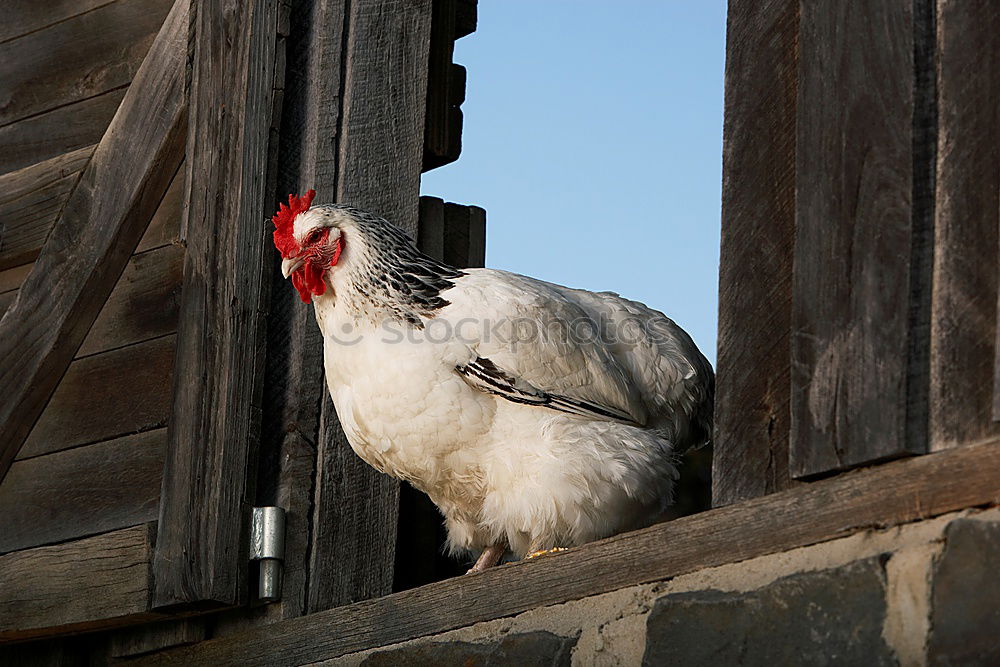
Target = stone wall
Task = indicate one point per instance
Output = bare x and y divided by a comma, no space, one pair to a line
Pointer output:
923,593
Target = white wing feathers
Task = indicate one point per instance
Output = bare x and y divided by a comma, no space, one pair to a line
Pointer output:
593,354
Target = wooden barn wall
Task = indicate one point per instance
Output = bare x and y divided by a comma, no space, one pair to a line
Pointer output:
94,459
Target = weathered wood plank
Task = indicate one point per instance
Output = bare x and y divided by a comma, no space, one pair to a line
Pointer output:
465,235
56,132
886,495
861,310
293,381
24,16
130,642
467,15
378,169
83,491
130,384
295,387
963,320
89,247
6,298
758,233
143,315
30,201
384,102
165,227
431,234
215,424
76,59
443,118
87,584
11,279
144,303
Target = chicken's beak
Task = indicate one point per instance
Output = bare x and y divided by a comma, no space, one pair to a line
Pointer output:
291,265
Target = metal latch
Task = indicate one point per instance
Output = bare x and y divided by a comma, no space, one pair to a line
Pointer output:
267,545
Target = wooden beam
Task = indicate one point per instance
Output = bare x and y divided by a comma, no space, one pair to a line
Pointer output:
89,584
758,232
863,246
82,491
31,199
215,423
887,495
380,147
100,227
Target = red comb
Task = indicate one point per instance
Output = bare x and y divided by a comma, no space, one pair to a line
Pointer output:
284,221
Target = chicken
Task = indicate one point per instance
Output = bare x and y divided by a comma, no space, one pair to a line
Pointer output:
535,416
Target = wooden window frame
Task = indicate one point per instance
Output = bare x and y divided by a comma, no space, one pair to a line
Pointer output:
761,509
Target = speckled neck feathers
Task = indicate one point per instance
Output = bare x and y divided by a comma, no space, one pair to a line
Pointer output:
386,276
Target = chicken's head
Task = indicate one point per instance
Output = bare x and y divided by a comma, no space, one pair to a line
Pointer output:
309,243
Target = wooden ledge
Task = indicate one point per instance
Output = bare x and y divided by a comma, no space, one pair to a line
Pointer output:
881,496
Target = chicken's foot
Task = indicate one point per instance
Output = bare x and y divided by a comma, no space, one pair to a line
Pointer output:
544,552
491,556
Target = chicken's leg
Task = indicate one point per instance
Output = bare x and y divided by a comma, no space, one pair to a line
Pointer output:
491,556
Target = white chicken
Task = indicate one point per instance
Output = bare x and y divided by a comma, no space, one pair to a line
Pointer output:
535,416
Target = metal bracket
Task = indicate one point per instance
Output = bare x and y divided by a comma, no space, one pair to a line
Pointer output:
267,545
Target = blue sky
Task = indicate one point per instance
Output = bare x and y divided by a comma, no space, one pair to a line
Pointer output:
593,139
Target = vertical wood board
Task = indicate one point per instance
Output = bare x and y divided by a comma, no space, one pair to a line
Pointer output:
860,318
379,147
214,425
758,233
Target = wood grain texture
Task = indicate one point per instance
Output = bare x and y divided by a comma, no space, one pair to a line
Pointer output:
11,279
82,491
165,227
963,320
143,305
30,201
379,156
6,298
130,642
130,384
53,133
89,247
84,56
24,16
861,311
294,385
87,584
215,423
385,89
882,496
758,234
139,314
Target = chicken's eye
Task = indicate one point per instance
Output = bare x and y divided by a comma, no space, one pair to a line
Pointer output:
314,236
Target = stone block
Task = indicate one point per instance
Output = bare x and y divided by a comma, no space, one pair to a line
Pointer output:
965,596
825,617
